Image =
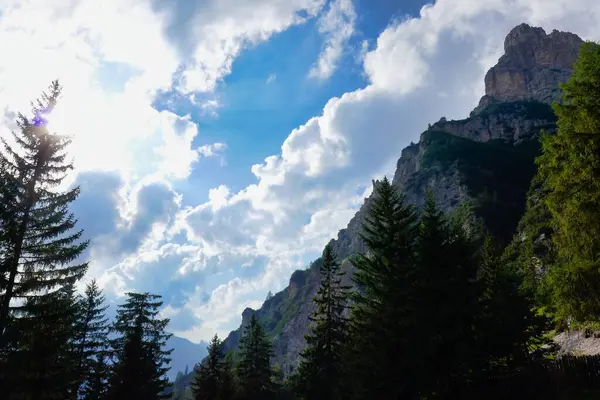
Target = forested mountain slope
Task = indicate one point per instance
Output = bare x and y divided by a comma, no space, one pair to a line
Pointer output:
486,158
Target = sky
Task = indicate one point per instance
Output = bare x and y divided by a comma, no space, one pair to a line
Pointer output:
220,144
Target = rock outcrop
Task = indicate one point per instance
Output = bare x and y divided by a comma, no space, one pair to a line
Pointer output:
532,66
458,161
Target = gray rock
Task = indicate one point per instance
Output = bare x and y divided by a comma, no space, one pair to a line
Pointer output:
532,66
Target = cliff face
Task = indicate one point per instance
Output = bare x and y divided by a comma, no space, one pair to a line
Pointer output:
486,158
532,66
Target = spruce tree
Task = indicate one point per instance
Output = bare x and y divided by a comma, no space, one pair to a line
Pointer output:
254,368
569,167
210,373
141,358
382,341
506,324
38,242
227,389
321,369
42,359
92,344
445,303
38,266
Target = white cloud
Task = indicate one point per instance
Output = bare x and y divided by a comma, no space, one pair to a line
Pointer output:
304,194
309,190
336,26
210,150
228,26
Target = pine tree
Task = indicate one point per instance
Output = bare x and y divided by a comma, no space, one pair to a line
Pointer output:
569,167
321,369
37,269
381,343
92,342
38,244
141,358
253,368
209,375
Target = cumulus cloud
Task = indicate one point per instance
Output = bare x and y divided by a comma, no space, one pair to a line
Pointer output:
211,34
336,26
212,260
309,191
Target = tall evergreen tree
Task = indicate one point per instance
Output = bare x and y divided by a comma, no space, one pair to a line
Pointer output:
141,358
321,369
569,167
445,302
254,368
39,247
210,373
41,361
382,341
506,324
227,391
38,243
92,344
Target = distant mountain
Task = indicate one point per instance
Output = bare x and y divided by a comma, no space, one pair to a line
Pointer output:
185,355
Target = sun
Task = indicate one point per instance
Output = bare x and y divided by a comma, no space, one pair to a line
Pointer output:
55,121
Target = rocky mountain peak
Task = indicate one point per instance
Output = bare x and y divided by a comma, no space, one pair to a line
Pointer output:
246,315
533,65
523,34
458,160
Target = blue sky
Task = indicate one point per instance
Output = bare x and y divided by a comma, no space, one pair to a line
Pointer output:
219,145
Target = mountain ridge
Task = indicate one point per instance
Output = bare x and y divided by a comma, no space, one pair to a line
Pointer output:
486,158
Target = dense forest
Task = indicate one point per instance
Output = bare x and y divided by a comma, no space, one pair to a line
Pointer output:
442,311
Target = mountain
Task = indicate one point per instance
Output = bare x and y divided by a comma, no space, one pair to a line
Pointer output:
486,159
185,355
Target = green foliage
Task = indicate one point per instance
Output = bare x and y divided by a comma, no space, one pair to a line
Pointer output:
44,365
531,251
213,379
496,173
380,348
445,303
139,369
92,344
507,327
569,168
37,269
322,367
253,368
526,109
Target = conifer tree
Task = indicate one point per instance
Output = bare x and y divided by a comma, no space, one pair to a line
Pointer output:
506,324
227,389
209,375
569,167
38,242
96,384
382,343
445,303
321,369
92,343
141,358
41,361
253,367
38,263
